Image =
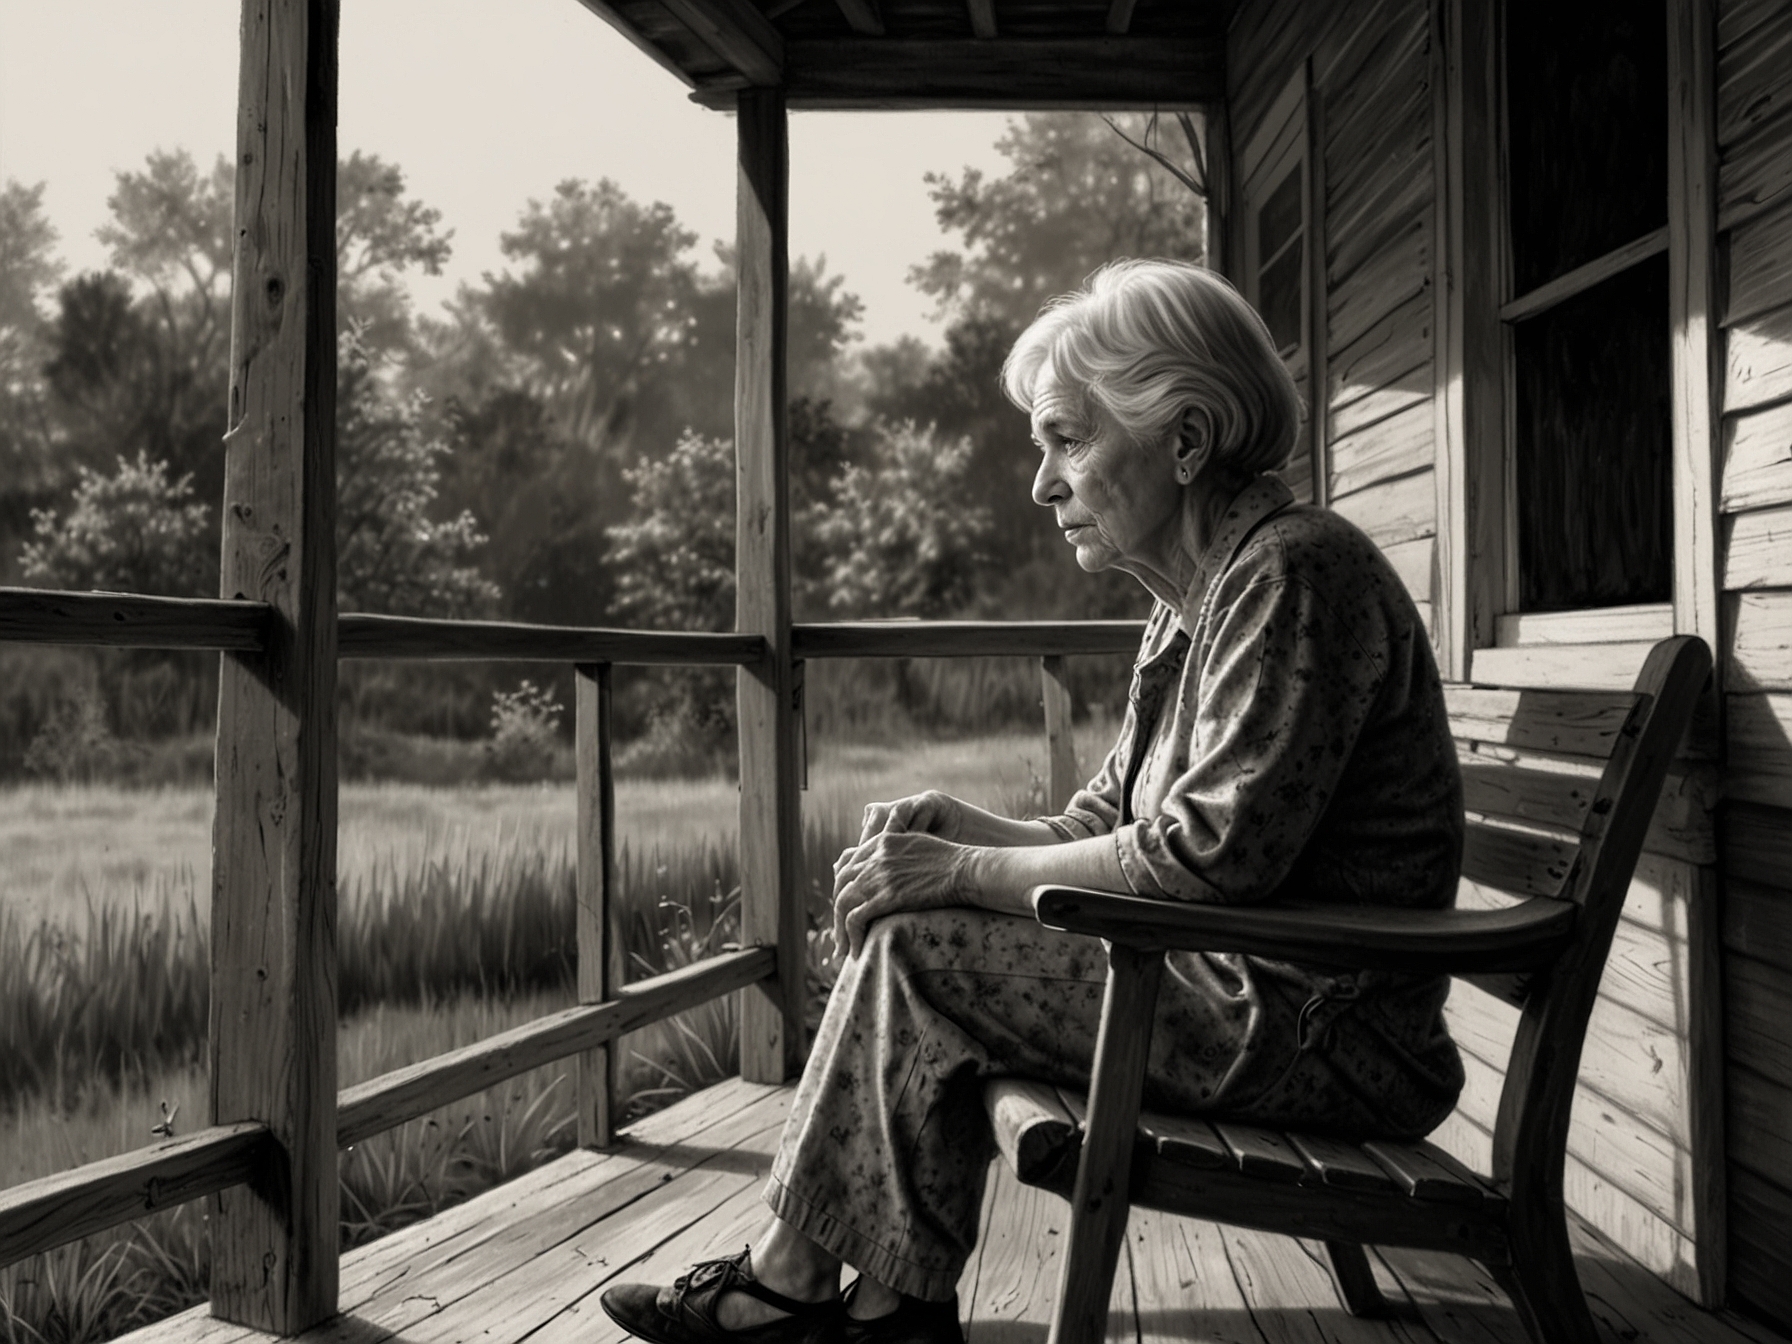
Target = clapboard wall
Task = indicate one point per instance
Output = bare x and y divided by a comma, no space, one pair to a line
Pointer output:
1370,101
1643,1149
1754,133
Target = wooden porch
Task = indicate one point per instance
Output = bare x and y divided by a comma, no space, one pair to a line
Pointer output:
527,1260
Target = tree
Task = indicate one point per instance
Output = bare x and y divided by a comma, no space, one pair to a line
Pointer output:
381,234
29,271
898,535
391,555
134,531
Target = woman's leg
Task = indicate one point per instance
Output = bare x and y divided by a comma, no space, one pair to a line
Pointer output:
883,1162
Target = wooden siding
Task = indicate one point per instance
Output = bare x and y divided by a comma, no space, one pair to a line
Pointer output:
1645,1140
1754,129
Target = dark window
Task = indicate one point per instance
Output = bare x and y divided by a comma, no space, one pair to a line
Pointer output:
1280,257
1586,108
1594,475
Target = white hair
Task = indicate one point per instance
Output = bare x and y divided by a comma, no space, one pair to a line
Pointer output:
1166,346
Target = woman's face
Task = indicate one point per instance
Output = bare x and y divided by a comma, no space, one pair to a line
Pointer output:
1118,502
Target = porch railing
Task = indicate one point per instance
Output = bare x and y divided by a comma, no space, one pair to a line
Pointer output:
42,1214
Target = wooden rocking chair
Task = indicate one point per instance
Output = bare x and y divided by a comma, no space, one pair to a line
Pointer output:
1544,954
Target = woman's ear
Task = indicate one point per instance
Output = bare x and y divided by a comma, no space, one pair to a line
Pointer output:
1193,445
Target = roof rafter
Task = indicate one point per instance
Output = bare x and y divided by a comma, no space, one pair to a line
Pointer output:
983,17
1014,74
862,16
738,33
1120,16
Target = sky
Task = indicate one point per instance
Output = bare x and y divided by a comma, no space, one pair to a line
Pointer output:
485,104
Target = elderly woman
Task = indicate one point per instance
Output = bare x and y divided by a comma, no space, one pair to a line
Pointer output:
1285,736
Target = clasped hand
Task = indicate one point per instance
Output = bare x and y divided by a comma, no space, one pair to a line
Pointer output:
906,859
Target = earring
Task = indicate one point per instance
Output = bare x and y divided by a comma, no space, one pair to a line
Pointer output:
1182,474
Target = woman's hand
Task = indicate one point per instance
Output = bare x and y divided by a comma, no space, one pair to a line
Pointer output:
929,813
894,871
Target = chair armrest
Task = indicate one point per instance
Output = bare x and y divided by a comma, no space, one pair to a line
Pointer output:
1522,937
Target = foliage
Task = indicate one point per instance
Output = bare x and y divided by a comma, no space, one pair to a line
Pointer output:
76,744
674,558
135,531
380,235
525,732
899,537
391,555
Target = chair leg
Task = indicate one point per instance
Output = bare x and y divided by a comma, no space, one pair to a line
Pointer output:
1357,1288
1543,1284
1101,1198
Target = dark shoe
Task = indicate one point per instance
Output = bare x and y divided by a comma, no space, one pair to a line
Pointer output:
685,1313
916,1321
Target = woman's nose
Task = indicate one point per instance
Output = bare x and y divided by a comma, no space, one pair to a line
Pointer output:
1048,482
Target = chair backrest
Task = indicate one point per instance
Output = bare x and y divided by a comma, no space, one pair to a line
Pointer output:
1543,828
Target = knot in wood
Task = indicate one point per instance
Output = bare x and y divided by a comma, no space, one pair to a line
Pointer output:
276,291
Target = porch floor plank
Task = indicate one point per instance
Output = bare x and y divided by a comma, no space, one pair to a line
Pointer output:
528,1260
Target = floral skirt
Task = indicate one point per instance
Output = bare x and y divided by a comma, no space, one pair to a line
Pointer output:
884,1157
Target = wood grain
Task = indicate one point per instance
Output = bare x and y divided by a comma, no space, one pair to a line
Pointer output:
1394,511
273,915
964,639
1755,173
1758,360
1397,446
737,32
1757,842
1759,731
1597,667
771,837
1757,471
1760,275
599,954
127,621
1017,73
1062,776
1760,626
363,636
55,1210
403,1094
1757,549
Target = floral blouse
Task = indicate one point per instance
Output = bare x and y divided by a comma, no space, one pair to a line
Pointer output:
1286,736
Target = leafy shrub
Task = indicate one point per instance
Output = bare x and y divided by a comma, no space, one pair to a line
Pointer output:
525,739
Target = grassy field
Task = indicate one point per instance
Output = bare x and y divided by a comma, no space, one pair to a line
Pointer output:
455,924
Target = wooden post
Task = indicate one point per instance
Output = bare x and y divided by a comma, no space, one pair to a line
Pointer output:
273,924
771,1015
1318,326
599,955
1061,774
1470,386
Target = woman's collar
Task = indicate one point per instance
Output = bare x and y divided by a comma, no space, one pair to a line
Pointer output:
1249,507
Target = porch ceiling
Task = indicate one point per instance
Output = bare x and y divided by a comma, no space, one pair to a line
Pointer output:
858,54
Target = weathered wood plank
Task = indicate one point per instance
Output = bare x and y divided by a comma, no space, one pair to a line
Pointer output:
39,1215
1759,732
1760,1216
1760,626
1760,275
1753,83
1758,920
936,73
1553,792
1390,356
1758,549
1183,1280
1760,1114
362,636
1387,279
964,639
1290,1295
1758,459
1695,340
273,917
771,838
1757,842
1758,360
1577,723
1757,1006
737,32
1755,174
392,1098
1646,621
1062,777
1414,562
1525,861
1378,155
1596,667
1737,20
600,965
126,621
1394,511
1397,446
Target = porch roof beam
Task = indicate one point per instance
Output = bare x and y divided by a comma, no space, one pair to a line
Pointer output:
1015,74
738,33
